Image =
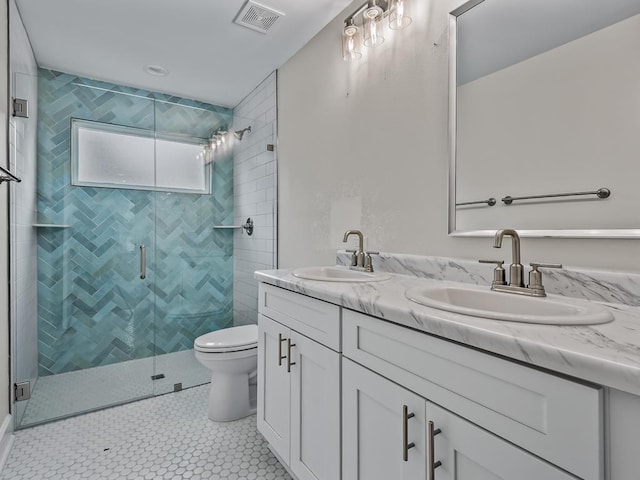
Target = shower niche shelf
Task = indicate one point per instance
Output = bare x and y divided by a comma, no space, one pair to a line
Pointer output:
50,225
248,226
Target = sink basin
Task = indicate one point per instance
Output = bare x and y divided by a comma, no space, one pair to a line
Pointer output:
482,302
338,274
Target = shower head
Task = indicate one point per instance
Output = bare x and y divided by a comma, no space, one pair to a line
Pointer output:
240,133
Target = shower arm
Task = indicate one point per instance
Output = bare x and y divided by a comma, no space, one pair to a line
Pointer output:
219,133
240,133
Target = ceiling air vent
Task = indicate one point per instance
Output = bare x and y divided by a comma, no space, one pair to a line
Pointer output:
257,17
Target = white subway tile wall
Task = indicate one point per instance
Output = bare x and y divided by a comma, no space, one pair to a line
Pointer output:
254,186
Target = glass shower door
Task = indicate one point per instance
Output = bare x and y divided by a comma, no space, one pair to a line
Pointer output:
23,241
194,263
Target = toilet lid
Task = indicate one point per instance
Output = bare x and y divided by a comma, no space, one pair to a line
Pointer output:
233,338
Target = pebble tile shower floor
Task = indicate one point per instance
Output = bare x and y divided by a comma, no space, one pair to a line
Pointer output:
166,437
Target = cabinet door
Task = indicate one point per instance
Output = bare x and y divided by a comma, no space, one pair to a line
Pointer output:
273,385
468,452
315,410
624,435
373,422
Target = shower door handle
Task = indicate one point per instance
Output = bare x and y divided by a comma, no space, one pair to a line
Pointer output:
143,262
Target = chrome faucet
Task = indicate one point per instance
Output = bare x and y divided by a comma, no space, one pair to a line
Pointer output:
357,256
516,276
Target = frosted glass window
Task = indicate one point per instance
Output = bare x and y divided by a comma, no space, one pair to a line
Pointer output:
114,156
180,166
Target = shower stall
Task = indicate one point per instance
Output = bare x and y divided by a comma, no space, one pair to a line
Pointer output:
116,262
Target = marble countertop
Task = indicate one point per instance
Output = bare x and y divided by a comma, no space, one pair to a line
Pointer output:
607,354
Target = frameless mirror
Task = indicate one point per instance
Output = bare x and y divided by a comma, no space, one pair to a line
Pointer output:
544,115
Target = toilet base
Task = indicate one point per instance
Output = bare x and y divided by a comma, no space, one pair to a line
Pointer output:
229,397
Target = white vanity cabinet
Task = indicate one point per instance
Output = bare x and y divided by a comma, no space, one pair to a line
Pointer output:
274,387
624,435
552,418
468,452
362,393
384,436
299,382
383,428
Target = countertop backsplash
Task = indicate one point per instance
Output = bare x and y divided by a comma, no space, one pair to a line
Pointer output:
596,285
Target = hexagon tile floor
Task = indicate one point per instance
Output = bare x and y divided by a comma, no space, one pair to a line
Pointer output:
166,437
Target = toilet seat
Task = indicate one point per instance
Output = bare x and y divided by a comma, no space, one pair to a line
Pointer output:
234,339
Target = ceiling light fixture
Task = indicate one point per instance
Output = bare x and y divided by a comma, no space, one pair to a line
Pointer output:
156,70
371,15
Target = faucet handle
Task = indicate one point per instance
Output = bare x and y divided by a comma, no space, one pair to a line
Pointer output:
499,277
497,262
536,265
354,256
535,275
368,265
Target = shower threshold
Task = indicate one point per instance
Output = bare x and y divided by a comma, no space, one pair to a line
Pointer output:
67,394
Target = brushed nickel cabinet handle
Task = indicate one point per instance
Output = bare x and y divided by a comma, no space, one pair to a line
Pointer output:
431,463
289,362
143,262
280,356
405,433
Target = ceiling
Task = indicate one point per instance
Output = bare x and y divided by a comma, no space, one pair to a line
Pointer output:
208,57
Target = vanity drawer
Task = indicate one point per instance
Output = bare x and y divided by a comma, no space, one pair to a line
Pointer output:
313,318
553,417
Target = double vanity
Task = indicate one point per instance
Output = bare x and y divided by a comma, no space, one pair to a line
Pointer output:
403,374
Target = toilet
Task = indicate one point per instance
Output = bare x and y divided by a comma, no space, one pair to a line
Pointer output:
232,356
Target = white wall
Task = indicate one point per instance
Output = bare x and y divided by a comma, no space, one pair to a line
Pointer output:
365,146
254,185
22,155
582,101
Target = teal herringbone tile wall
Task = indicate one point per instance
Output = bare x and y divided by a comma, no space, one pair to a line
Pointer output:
93,307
